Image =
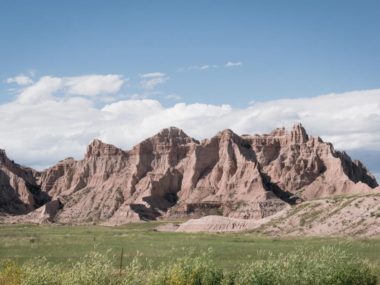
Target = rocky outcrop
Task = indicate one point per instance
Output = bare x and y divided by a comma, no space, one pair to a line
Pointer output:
19,190
306,167
350,215
171,175
42,215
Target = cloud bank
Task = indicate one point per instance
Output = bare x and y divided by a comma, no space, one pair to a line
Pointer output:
57,117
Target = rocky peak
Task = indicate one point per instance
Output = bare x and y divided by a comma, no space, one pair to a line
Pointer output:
172,134
67,160
227,134
98,148
298,134
278,132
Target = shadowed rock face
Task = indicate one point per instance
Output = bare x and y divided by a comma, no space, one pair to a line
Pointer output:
173,175
19,190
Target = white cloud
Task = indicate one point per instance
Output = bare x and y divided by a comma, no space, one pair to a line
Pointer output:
152,75
233,64
137,96
40,127
20,80
87,85
173,97
150,80
92,85
199,67
204,67
213,66
42,90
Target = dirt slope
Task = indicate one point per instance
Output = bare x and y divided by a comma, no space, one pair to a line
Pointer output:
357,215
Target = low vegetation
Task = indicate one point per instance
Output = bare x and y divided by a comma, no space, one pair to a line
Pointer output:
328,265
82,254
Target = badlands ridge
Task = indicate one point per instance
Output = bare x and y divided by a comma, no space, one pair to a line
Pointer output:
285,182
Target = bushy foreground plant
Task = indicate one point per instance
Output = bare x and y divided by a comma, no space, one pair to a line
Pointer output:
10,273
189,270
94,268
39,271
328,266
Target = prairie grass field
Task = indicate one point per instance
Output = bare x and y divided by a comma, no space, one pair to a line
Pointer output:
59,243
65,245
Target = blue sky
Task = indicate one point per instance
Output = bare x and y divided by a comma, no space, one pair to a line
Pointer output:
224,58
287,48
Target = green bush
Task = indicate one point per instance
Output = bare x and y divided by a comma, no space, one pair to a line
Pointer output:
327,266
94,268
189,271
135,273
10,273
39,271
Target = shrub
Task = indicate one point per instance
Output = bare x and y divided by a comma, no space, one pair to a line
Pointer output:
189,270
10,273
39,271
327,266
136,274
94,268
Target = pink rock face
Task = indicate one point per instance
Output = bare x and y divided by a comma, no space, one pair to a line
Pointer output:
19,190
172,175
308,167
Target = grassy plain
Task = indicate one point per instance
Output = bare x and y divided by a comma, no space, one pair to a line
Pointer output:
59,244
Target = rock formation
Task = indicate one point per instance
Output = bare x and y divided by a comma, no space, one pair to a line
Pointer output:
349,215
19,191
171,175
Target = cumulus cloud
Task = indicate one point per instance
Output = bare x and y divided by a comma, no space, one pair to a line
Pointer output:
40,127
150,80
19,80
92,85
43,89
88,85
233,64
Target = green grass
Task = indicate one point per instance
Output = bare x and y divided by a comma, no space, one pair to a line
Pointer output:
60,243
258,255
